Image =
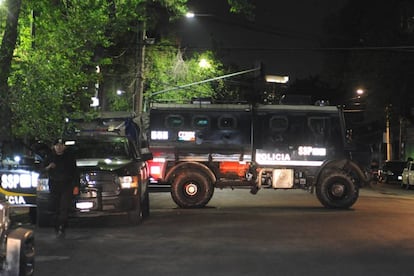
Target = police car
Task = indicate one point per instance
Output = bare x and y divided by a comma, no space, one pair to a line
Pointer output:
20,166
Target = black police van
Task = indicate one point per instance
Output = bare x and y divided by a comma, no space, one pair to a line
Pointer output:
199,147
112,174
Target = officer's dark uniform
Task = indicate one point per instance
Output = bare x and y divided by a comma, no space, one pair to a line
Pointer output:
61,183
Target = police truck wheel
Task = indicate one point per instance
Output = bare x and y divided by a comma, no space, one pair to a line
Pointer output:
25,250
135,215
191,190
146,205
43,219
337,190
32,215
27,256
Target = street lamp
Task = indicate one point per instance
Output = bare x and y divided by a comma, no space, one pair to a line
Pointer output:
204,63
191,14
356,103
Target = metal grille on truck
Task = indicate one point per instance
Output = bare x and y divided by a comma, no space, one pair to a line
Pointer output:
107,182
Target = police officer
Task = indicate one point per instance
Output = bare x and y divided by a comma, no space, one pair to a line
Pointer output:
61,166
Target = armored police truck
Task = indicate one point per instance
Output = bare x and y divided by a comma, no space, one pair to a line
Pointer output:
199,147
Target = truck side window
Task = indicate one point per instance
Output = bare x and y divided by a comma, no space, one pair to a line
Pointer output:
201,122
227,122
174,121
319,127
278,125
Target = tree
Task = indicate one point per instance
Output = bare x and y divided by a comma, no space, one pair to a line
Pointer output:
168,68
6,55
68,52
60,66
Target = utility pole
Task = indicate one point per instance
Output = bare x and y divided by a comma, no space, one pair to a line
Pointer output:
140,66
400,139
387,131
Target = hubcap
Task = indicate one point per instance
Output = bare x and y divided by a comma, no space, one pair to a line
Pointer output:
337,190
191,189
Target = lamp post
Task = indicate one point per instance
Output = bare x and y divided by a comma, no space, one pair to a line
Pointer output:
191,14
387,131
140,58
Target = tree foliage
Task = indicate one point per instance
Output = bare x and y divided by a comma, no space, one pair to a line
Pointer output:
167,69
6,55
61,44
68,51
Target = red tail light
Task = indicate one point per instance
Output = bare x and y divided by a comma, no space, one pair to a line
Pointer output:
156,167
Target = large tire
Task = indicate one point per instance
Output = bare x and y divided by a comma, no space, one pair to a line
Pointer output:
24,252
146,205
33,215
27,256
135,215
402,183
337,190
43,218
191,189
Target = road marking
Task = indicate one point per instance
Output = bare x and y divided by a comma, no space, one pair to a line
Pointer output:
51,258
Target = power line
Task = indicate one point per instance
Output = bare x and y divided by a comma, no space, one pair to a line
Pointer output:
408,49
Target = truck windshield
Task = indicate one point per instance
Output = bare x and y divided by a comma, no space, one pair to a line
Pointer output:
103,148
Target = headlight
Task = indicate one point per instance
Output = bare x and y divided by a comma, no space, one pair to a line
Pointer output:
42,185
128,182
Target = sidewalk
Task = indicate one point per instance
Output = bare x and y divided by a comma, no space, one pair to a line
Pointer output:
381,189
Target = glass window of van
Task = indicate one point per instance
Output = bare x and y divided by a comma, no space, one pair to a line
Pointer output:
227,122
201,122
174,121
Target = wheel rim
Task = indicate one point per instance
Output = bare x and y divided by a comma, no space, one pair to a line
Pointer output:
191,189
337,190
29,253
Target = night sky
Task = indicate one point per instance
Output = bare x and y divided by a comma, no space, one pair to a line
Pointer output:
284,34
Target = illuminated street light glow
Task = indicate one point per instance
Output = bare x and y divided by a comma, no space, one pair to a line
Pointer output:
277,79
190,15
204,63
360,91
94,102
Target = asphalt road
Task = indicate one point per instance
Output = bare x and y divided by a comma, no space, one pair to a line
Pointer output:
271,233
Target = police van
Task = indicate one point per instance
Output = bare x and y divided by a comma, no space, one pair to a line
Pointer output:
112,173
19,170
200,147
